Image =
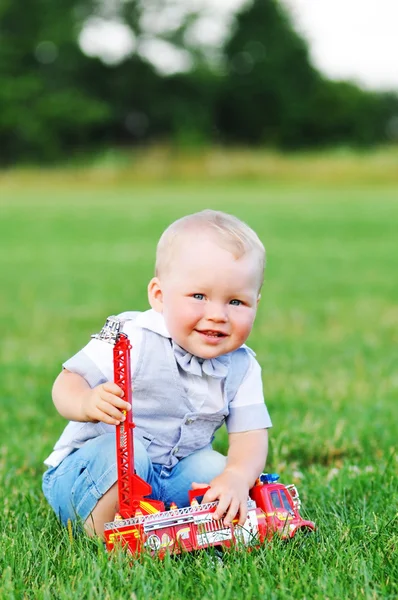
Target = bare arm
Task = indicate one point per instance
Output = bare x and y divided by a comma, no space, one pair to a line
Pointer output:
77,401
246,458
247,454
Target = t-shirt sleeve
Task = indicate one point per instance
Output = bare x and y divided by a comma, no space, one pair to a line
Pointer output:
247,411
94,362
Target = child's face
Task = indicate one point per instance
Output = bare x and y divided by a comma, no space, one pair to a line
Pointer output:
207,297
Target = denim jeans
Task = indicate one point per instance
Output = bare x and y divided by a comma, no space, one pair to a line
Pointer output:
74,487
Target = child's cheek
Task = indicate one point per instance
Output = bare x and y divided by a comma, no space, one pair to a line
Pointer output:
245,326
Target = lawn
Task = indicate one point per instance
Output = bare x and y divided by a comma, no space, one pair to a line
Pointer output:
326,335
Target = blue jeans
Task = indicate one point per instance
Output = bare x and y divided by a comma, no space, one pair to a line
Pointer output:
74,487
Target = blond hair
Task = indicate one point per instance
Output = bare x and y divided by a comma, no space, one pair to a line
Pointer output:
228,231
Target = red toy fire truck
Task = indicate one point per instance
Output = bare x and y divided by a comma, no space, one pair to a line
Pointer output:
273,508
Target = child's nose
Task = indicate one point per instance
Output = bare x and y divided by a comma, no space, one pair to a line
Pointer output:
217,312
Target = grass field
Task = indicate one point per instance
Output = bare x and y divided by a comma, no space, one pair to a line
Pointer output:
326,335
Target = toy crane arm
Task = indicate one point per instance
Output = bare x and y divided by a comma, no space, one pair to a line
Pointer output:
132,488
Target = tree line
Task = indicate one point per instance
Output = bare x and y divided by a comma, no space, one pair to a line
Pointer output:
262,89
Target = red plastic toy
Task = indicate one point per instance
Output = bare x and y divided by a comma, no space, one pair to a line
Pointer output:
273,508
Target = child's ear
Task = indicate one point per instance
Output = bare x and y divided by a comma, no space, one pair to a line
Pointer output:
155,295
258,299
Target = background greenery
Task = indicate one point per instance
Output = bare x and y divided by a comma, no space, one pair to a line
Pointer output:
78,245
257,87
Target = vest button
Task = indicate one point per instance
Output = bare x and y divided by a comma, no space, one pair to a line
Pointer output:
189,421
176,449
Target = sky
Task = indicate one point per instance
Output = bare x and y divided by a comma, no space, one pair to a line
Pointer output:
348,39
351,39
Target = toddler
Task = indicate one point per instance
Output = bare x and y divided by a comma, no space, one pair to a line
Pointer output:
191,372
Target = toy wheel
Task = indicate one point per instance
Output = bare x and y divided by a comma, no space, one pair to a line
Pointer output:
303,537
153,543
215,556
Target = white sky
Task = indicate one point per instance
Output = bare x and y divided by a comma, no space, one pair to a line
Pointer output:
348,39
353,39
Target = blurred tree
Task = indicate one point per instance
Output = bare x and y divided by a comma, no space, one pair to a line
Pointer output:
343,113
42,109
269,78
273,95
146,104
54,99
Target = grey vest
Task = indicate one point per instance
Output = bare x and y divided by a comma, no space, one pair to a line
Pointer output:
166,422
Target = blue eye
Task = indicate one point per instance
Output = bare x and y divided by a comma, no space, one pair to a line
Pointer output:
236,302
198,296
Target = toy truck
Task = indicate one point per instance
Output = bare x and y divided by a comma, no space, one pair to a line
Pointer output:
143,524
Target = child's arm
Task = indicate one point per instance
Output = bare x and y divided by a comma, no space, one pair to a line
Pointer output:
77,401
246,458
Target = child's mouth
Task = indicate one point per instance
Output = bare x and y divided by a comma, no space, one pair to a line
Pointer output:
212,334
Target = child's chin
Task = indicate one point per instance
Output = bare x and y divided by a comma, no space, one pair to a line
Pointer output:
210,353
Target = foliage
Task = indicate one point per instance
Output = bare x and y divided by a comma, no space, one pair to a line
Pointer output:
258,88
325,334
343,113
273,95
269,78
43,111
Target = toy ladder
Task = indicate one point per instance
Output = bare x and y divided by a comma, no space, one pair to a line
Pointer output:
132,488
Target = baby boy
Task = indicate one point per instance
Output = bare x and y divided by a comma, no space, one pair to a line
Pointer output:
191,372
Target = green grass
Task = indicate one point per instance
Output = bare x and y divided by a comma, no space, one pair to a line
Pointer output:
326,335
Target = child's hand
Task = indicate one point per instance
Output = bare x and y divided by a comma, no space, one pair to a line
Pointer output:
104,403
231,490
